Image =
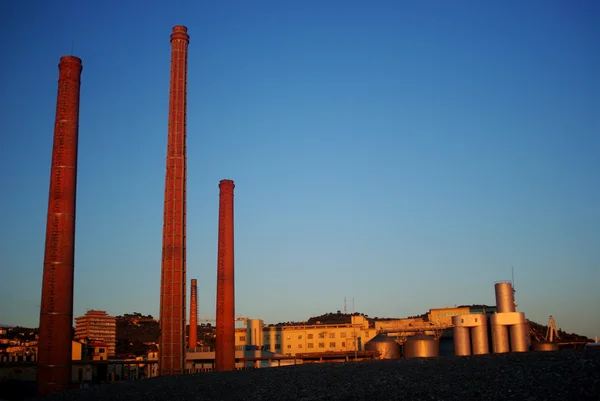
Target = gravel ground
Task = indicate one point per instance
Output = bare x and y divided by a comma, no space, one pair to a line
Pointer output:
565,375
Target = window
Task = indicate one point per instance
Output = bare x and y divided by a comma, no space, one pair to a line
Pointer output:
321,345
310,345
299,345
331,335
332,344
289,346
277,346
277,336
321,335
343,344
299,336
343,335
242,338
310,336
101,350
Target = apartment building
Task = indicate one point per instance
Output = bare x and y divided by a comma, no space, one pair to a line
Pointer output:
98,326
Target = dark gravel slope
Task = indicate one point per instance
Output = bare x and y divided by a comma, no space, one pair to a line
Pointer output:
566,375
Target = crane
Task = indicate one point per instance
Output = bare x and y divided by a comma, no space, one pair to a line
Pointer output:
533,333
551,331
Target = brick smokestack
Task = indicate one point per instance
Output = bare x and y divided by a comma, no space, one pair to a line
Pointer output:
193,337
172,283
56,311
225,347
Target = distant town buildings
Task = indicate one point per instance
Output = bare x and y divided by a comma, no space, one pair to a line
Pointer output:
97,326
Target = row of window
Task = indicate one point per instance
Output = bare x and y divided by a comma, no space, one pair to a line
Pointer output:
308,336
332,344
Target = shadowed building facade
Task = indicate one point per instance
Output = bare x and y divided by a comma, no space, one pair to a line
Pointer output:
56,309
225,341
173,275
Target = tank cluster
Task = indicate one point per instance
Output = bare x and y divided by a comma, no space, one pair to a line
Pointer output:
471,332
416,346
508,327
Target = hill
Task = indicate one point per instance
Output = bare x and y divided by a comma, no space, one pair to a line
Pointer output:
345,318
136,333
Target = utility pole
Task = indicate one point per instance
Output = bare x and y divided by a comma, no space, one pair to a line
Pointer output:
354,326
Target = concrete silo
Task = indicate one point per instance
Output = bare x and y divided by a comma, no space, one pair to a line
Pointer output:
509,329
470,334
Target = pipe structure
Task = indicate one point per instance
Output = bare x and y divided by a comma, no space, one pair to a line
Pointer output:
193,337
173,281
225,344
56,310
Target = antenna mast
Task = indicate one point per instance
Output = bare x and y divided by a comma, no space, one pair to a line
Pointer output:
512,268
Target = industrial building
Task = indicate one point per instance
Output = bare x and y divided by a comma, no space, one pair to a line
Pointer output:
98,326
302,339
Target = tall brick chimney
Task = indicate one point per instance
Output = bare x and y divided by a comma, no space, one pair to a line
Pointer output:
193,336
225,347
172,283
56,310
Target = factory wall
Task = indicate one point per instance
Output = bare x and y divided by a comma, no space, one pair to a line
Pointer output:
291,340
443,316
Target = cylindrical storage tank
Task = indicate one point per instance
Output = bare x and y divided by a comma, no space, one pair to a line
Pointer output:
255,333
518,338
476,341
386,346
505,297
462,341
421,346
479,340
544,346
271,342
500,341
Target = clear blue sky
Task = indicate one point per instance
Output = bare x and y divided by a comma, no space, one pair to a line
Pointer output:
404,154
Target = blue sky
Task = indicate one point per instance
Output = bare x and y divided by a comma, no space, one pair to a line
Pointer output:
402,153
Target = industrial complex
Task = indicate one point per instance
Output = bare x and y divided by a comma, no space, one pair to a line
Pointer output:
62,364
